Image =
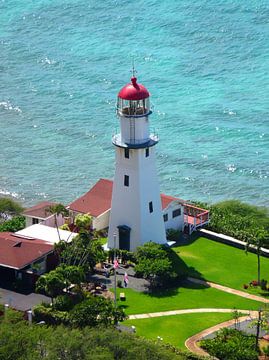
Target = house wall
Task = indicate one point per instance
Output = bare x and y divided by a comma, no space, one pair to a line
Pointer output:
177,222
102,221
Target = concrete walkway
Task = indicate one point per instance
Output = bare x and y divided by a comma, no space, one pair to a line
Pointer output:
188,311
229,290
20,301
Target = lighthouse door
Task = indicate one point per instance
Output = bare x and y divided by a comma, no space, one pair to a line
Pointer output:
124,237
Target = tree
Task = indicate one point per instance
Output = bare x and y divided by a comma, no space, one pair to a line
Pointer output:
9,208
15,224
259,238
153,263
83,222
56,210
96,311
52,283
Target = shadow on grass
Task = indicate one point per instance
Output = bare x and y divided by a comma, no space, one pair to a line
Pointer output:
187,239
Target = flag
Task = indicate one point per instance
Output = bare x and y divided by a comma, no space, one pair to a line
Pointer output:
126,279
116,264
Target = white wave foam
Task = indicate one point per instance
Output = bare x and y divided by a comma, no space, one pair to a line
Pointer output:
231,168
7,105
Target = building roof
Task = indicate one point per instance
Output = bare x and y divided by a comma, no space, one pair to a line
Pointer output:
98,199
45,233
39,210
133,91
17,252
166,200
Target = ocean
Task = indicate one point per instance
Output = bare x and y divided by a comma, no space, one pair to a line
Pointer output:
205,63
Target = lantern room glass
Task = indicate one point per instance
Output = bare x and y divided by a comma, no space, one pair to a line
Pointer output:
133,107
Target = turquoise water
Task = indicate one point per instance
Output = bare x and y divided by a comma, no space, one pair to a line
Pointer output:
205,63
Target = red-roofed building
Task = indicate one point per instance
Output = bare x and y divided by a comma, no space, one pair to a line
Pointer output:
22,258
40,213
97,203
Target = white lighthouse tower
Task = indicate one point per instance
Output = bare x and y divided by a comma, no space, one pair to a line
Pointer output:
136,213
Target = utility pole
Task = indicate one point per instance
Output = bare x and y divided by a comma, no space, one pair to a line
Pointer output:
115,275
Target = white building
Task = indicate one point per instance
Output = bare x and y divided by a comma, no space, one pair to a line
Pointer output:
136,213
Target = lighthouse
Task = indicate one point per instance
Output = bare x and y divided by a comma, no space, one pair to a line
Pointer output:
136,213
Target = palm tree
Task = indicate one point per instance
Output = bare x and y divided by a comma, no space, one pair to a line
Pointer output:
259,238
56,210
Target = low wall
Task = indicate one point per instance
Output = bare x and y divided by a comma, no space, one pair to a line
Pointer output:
231,241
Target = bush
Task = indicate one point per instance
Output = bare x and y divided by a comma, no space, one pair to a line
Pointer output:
172,234
15,224
263,284
63,303
50,316
231,344
119,283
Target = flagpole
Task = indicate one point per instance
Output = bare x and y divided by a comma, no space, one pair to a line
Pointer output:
115,276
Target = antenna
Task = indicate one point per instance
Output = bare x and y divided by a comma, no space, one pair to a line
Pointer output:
133,71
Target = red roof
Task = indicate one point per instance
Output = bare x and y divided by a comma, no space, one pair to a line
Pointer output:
17,252
133,91
166,200
98,199
39,210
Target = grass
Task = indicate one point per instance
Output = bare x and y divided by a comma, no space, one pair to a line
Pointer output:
178,328
192,297
220,263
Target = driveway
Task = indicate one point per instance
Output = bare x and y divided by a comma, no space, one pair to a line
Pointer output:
20,301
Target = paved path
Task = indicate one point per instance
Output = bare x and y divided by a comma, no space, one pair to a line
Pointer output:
20,301
229,290
188,311
191,343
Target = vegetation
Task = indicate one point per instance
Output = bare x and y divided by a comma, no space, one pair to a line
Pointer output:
176,329
237,219
220,269
56,280
20,341
9,208
15,224
153,263
231,344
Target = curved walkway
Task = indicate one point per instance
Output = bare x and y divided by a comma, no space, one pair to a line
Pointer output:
228,290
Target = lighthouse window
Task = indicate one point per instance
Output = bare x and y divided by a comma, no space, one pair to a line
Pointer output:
126,180
176,213
147,152
126,153
165,217
150,207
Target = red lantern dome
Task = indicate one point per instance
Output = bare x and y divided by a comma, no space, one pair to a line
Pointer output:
133,91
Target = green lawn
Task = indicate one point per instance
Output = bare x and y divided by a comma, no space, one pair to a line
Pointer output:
220,263
193,297
176,329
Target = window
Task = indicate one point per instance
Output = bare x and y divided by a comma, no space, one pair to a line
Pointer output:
147,152
126,180
150,207
126,153
165,217
176,213
35,221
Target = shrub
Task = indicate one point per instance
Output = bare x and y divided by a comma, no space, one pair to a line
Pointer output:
245,286
119,283
63,303
50,316
172,234
263,284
